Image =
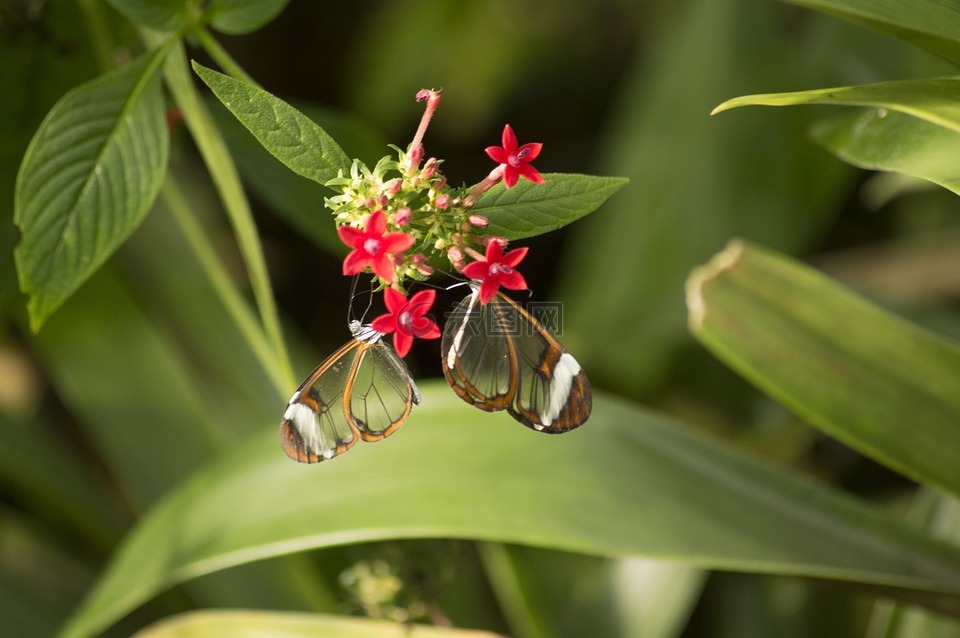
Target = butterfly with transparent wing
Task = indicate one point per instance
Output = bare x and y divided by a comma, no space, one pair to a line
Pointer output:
362,391
497,356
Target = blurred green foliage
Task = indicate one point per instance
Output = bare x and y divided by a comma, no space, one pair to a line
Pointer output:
146,407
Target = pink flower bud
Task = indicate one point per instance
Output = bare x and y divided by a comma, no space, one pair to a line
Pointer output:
455,254
394,186
382,200
402,217
370,203
398,260
418,259
442,201
425,270
478,220
415,156
439,184
429,169
493,238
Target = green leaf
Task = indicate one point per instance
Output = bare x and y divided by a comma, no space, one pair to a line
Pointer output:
936,100
237,17
933,25
257,624
628,483
160,15
884,387
290,136
885,141
87,180
530,209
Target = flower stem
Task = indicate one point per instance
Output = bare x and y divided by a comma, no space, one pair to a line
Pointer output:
222,284
221,56
213,149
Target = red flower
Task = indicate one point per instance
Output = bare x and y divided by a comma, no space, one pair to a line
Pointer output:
373,246
406,319
496,270
515,162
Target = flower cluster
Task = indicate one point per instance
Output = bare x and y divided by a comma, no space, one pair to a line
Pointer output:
402,213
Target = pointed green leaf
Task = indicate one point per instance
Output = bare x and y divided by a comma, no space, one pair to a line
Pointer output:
88,178
628,483
933,25
160,15
888,141
530,209
288,134
881,385
258,624
936,100
237,17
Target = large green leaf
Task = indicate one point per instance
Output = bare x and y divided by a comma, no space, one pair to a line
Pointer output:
936,100
933,25
889,141
88,178
885,387
530,209
290,136
628,483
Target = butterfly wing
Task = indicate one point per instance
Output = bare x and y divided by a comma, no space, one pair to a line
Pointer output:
315,426
479,359
381,393
553,394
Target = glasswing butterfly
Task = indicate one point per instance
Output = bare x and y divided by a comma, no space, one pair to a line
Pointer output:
499,357
362,391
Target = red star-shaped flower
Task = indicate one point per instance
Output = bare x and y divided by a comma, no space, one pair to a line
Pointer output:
497,269
406,319
373,246
514,161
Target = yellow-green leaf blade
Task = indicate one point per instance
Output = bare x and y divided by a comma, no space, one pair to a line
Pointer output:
257,624
883,386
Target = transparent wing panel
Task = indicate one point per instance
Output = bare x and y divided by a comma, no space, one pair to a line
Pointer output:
478,355
315,427
382,394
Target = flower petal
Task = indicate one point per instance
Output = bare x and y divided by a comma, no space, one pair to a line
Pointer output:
384,323
420,303
476,270
513,281
488,289
426,329
355,262
394,300
394,243
382,267
509,140
376,223
510,175
402,342
530,173
529,152
351,236
494,252
497,154
514,257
